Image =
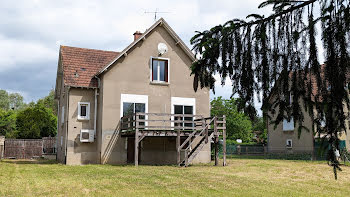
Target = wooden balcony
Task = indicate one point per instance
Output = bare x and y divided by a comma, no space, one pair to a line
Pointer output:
141,125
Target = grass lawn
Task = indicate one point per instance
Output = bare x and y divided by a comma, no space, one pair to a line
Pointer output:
242,177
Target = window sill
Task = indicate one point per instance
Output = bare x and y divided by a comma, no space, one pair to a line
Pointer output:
83,119
289,147
159,83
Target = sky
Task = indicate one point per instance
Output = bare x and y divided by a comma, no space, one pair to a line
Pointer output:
31,32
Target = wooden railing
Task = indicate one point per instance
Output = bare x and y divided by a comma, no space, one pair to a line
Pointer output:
191,126
161,121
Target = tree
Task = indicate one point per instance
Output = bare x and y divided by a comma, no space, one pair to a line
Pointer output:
50,102
237,123
8,124
4,100
259,129
281,48
16,101
36,122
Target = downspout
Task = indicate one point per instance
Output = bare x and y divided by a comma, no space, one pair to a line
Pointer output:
58,124
95,112
66,115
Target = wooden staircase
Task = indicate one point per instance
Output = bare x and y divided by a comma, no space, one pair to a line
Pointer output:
111,144
205,136
191,153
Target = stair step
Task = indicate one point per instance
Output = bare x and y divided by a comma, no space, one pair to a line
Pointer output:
196,150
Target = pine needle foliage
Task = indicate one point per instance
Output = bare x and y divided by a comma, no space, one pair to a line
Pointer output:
276,56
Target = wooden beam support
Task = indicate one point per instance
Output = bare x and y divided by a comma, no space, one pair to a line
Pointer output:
204,125
186,157
141,137
224,142
136,141
178,141
216,142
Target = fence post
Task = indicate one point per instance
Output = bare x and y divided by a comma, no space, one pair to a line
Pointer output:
2,145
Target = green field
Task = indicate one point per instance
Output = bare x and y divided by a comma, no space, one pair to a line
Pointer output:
242,177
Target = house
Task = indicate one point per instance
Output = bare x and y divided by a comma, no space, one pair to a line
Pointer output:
134,106
284,137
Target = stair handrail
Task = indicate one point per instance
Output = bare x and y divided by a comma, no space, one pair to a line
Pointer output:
200,133
193,133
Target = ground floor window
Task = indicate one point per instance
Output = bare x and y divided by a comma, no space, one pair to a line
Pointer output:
83,110
131,108
182,105
289,143
183,109
133,103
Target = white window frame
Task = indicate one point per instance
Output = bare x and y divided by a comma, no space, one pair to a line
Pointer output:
288,125
87,117
323,122
291,143
134,98
158,69
62,115
182,101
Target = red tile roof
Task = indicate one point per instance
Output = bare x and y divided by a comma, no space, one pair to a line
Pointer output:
80,65
314,84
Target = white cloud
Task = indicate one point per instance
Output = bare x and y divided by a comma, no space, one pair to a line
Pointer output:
18,53
31,30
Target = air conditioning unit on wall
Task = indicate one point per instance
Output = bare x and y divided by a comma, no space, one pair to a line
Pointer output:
87,135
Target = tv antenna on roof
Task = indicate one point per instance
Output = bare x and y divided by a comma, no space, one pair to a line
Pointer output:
155,13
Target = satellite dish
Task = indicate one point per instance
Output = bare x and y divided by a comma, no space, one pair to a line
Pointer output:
162,48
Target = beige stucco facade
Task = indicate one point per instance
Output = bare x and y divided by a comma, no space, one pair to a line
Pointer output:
277,137
130,75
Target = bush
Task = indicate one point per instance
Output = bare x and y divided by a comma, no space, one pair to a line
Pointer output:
8,124
238,125
36,122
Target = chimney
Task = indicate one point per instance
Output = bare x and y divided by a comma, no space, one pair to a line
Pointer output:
137,34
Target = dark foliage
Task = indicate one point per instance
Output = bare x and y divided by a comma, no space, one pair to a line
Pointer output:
277,57
36,122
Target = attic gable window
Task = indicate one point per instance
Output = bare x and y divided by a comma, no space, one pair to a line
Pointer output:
160,70
83,111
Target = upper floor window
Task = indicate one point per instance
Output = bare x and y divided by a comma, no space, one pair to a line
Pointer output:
160,70
288,125
83,111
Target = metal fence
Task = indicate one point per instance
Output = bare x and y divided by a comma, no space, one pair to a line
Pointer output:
319,152
234,149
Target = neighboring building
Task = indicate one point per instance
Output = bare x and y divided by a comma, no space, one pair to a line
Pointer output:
284,138
96,88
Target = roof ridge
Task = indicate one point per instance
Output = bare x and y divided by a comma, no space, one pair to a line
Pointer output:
167,27
64,46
